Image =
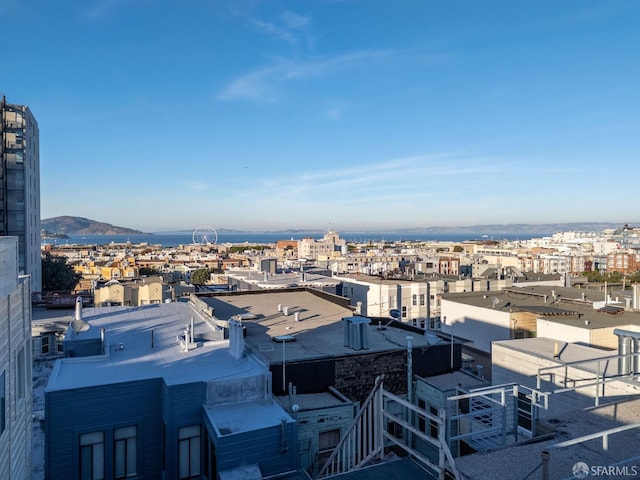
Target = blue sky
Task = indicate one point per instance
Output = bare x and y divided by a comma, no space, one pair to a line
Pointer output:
166,114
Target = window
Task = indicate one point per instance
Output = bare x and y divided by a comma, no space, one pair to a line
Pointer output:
421,419
3,404
433,426
414,300
44,348
395,429
189,452
525,412
328,440
422,299
125,451
92,456
404,311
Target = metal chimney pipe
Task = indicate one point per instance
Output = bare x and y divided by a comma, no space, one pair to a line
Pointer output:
78,313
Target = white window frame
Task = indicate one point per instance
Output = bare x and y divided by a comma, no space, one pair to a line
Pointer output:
91,444
125,452
189,446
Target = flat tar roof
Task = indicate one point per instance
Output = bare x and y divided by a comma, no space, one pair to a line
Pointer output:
570,306
449,381
546,348
319,333
312,401
131,327
241,417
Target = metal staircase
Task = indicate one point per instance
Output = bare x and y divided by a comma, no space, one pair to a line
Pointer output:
365,440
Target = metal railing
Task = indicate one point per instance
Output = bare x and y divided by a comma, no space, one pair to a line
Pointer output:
367,436
598,366
604,435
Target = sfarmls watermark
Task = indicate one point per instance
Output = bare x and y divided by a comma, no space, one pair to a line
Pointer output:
582,470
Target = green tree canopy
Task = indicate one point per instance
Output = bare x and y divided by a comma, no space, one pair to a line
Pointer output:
201,276
57,275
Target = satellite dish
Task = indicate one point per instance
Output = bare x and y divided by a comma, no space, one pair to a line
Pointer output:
394,313
431,338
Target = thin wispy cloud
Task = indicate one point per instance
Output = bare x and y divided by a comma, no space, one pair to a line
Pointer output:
276,32
258,86
295,21
263,84
288,27
409,176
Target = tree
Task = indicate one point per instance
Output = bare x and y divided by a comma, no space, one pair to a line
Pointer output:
201,276
148,271
458,248
57,275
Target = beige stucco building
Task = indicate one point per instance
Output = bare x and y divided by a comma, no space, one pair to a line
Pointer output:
146,291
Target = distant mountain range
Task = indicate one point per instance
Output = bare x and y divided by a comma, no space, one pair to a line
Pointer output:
517,228
68,225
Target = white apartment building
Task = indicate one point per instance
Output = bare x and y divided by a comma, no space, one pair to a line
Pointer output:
377,297
330,245
20,186
15,365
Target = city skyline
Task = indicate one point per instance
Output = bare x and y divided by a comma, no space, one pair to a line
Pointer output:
376,115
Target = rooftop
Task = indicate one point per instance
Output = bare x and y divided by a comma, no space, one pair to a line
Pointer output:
130,355
401,469
524,461
282,280
363,278
571,306
449,381
312,401
546,348
241,417
318,333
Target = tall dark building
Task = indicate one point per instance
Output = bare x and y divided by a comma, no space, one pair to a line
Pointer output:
20,186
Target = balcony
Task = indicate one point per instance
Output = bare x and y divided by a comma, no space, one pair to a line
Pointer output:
12,124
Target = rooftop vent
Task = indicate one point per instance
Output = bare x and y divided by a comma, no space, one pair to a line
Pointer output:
356,332
283,338
78,324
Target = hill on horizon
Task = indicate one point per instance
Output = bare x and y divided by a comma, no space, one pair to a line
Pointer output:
69,225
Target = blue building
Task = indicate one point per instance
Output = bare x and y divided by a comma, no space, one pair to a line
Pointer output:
15,365
158,392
